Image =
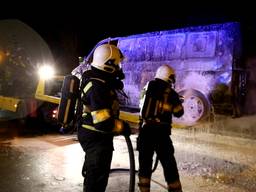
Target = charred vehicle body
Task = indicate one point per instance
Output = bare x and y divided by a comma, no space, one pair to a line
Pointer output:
206,59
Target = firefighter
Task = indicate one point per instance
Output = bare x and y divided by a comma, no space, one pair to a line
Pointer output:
100,115
158,103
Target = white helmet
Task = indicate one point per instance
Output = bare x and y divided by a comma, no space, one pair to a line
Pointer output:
166,73
107,58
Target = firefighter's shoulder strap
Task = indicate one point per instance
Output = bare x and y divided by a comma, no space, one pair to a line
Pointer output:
143,95
85,86
154,101
102,114
89,83
146,100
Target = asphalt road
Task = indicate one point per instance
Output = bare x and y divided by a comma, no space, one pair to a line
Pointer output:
53,162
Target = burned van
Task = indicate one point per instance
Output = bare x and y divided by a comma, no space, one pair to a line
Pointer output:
206,60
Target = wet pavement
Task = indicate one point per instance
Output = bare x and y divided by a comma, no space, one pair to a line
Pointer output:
53,162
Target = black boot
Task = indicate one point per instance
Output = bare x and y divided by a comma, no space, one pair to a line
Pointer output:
174,187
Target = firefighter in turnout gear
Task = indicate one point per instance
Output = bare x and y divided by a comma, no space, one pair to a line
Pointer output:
100,115
158,103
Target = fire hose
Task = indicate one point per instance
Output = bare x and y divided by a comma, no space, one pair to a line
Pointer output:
132,169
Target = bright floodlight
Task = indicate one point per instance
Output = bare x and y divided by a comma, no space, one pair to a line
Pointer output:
46,72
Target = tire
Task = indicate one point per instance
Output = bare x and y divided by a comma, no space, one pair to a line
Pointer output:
196,107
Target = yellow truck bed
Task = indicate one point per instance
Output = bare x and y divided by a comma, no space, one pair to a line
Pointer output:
9,103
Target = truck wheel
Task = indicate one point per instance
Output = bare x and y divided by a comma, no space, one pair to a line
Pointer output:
196,107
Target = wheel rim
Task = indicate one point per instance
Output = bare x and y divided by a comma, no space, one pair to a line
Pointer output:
194,110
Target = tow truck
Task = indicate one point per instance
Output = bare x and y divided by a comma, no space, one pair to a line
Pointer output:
22,53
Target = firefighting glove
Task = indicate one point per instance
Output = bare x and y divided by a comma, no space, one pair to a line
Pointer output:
121,128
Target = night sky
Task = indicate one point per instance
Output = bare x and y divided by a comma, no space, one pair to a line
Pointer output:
72,29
